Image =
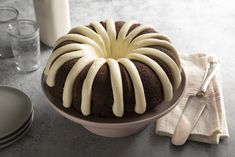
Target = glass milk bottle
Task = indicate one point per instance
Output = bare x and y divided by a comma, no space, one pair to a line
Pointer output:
53,19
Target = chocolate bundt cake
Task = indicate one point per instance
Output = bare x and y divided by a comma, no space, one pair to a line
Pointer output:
113,69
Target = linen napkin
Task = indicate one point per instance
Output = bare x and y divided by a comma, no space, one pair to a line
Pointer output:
212,125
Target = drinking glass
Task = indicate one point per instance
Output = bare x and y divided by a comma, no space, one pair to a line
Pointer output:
7,15
25,44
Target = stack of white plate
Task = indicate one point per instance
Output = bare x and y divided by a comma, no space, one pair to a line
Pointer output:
16,115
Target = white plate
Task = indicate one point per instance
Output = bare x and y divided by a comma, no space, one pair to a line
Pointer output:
15,110
18,135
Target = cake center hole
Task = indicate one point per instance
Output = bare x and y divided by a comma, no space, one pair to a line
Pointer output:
118,49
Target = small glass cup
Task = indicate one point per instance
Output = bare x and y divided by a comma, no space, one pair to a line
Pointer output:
25,44
7,15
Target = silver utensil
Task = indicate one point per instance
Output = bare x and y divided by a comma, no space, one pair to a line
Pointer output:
194,107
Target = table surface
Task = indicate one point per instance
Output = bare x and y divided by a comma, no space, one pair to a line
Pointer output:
194,26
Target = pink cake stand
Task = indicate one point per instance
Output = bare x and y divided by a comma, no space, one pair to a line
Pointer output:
116,127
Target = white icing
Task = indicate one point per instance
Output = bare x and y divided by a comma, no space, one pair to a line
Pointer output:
111,30
59,62
63,50
90,34
125,28
151,35
175,71
120,46
105,45
116,82
69,82
104,35
150,42
81,39
167,87
140,102
136,31
87,85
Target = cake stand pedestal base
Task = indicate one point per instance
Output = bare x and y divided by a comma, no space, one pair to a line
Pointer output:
117,132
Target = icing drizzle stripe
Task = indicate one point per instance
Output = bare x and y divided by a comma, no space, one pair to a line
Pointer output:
59,62
111,30
60,51
102,32
125,28
85,31
140,101
69,82
87,86
151,42
166,59
167,87
116,82
81,39
136,31
151,35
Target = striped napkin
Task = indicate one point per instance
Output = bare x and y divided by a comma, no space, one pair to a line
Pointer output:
212,125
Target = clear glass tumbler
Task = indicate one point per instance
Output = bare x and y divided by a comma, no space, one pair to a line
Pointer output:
7,15
25,44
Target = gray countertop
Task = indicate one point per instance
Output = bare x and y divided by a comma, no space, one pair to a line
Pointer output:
194,26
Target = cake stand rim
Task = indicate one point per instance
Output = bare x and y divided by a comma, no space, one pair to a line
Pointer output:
116,124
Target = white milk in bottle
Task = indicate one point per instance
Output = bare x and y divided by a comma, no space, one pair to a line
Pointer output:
53,18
